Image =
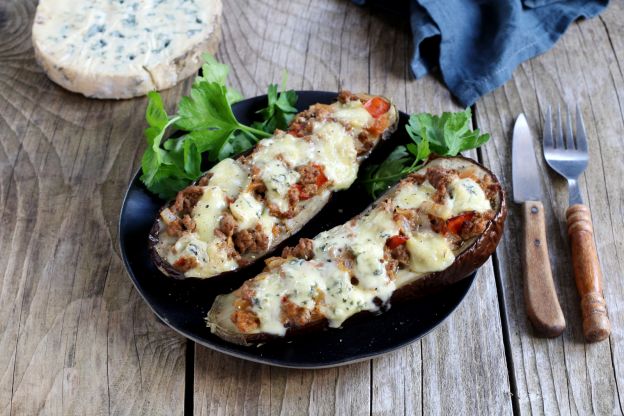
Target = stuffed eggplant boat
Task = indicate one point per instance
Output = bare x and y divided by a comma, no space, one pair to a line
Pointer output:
432,229
243,208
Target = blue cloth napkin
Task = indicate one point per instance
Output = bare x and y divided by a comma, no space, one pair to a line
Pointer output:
481,42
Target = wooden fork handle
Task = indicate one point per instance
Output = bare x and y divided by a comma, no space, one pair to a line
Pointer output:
587,273
540,297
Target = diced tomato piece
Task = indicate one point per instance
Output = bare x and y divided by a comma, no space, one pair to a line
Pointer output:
302,195
296,130
395,241
321,179
379,125
454,225
377,106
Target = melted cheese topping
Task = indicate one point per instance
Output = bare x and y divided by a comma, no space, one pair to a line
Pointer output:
429,252
361,244
354,114
247,210
467,195
230,176
335,150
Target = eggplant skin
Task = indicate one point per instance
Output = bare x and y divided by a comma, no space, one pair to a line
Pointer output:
307,213
465,263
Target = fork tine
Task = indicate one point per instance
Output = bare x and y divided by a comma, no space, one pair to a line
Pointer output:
548,138
581,135
569,132
559,133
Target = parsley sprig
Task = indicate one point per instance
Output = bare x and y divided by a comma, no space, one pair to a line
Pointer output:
208,125
445,135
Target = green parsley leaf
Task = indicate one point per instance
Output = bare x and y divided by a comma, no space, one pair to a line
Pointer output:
378,178
214,71
206,124
445,135
280,110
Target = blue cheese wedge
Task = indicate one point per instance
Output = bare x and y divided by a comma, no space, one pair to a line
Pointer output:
123,48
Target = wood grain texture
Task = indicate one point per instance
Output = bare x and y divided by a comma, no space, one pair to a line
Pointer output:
565,375
587,273
75,337
540,296
327,45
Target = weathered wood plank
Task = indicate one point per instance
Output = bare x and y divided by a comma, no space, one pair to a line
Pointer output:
75,338
301,37
330,45
565,375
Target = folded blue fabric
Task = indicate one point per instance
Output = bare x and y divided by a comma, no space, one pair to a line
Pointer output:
481,42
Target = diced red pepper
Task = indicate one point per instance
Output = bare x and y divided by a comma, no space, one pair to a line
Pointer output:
395,241
454,225
296,130
377,106
321,179
302,195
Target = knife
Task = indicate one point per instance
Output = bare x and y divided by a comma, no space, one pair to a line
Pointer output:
540,297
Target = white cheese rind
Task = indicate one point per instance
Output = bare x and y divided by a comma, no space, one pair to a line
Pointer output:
114,49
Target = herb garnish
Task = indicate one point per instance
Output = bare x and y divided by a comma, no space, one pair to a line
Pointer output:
209,126
445,135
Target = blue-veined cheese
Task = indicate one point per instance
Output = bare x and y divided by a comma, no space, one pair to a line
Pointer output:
278,179
293,150
122,49
247,210
412,195
467,195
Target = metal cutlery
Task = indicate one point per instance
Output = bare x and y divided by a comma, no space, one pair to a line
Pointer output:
567,155
540,297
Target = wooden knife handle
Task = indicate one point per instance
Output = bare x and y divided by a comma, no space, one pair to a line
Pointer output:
540,296
587,273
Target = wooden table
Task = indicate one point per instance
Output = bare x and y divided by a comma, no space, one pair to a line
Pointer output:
76,338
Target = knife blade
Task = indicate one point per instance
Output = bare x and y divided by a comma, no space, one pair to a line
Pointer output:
540,297
524,173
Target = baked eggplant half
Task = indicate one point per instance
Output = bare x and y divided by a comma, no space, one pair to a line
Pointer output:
433,228
241,209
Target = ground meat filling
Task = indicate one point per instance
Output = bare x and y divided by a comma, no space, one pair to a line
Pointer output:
303,124
251,240
476,225
227,226
345,96
177,217
303,250
364,143
439,179
243,317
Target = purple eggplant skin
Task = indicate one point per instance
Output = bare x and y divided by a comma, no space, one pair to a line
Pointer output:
466,262
168,270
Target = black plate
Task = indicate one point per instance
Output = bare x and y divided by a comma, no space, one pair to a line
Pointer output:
183,304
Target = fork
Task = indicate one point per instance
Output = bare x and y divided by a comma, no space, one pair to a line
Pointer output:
567,155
